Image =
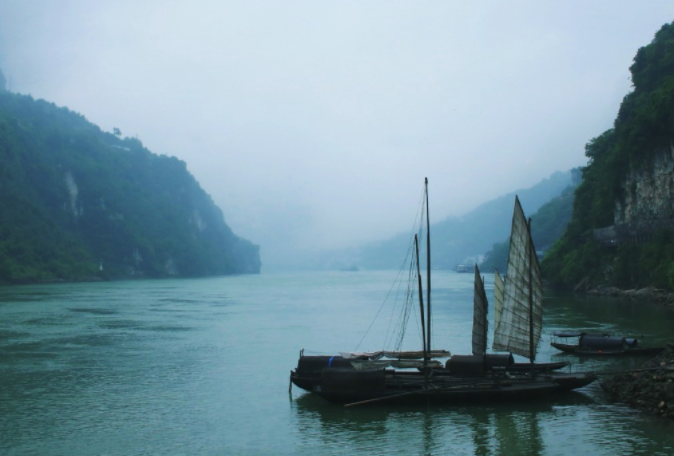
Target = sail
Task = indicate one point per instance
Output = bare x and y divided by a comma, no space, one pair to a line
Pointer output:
519,328
479,315
498,298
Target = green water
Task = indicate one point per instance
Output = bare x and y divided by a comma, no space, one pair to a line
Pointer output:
201,367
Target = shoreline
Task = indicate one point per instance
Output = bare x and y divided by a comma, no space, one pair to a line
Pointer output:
649,389
651,294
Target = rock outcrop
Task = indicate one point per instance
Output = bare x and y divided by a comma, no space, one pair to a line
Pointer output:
651,388
648,194
648,294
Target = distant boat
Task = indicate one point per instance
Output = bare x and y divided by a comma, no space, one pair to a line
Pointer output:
417,377
600,344
462,268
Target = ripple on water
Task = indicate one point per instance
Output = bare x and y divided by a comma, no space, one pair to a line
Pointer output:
93,311
9,334
120,324
85,340
168,328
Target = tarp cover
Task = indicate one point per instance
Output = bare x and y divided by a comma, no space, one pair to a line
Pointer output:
603,343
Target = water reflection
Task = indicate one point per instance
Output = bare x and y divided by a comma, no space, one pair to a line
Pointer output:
200,367
503,429
568,424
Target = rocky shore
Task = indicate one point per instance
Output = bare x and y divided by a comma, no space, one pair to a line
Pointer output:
651,388
652,295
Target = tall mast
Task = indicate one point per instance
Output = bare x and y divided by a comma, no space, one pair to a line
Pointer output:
428,269
530,252
485,321
421,301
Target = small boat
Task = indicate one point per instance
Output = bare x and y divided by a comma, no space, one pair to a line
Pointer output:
600,344
418,377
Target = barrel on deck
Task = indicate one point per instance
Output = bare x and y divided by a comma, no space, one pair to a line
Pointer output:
477,365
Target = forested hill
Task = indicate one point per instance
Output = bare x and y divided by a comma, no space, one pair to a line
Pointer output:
77,203
621,230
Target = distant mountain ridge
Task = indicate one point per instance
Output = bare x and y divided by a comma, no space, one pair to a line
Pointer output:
547,227
455,239
77,203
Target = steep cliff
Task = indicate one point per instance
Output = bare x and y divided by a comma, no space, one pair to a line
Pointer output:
622,228
647,193
77,203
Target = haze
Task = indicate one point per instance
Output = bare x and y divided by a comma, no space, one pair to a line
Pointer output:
312,124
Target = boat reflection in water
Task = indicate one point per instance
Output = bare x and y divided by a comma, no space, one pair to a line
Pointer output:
502,429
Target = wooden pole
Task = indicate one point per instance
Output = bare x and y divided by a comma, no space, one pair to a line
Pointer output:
421,303
428,269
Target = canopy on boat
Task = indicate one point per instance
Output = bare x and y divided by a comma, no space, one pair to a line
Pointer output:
605,343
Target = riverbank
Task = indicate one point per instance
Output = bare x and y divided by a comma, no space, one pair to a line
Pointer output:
649,294
650,389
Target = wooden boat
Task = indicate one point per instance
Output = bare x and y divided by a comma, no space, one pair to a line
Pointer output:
588,344
418,377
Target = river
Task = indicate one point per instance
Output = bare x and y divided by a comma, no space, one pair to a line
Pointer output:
201,367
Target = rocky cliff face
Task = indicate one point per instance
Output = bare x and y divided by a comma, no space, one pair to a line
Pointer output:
648,194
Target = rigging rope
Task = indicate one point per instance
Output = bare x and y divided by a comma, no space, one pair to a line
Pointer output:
397,330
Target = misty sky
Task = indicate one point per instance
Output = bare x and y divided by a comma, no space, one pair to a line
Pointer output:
313,123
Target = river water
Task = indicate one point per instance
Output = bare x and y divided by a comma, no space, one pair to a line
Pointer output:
201,367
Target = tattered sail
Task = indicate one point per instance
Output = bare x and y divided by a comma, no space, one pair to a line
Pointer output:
519,327
480,324
498,298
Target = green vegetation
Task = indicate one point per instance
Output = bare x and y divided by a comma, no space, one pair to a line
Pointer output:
73,197
644,126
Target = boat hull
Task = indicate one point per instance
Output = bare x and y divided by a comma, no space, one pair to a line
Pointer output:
479,392
584,351
527,367
572,381
347,386
309,378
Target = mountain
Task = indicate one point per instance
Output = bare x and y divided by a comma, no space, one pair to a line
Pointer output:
622,228
454,240
547,226
77,203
